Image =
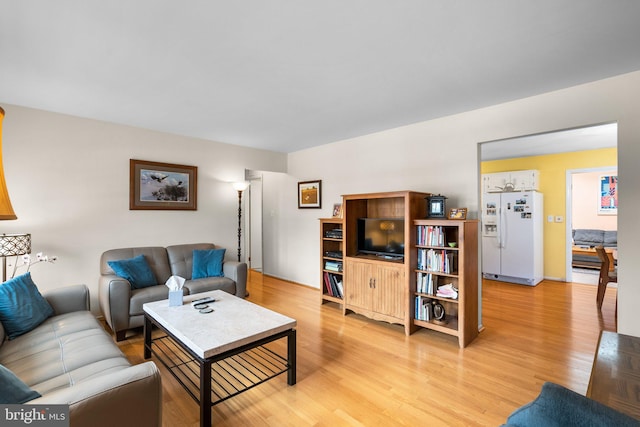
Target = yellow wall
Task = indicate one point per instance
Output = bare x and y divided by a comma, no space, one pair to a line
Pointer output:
552,175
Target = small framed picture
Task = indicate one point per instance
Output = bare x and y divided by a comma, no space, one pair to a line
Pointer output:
310,194
337,210
162,186
458,213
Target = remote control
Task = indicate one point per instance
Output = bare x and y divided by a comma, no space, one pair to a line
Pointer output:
201,301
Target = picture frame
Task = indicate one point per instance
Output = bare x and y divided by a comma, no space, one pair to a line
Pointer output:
608,195
458,213
310,194
337,210
162,186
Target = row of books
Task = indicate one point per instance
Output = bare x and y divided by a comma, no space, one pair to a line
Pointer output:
431,235
437,260
333,285
333,266
425,283
424,308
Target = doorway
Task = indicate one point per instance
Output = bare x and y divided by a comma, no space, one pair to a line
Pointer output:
554,154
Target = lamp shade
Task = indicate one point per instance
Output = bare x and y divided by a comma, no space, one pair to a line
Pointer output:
6,210
240,186
15,244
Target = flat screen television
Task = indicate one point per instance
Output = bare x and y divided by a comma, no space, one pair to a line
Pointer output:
381,236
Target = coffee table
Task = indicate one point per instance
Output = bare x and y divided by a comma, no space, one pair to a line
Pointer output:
220,354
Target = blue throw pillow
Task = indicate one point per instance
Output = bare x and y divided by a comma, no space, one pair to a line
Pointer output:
13,390
136,270
22,307
207,263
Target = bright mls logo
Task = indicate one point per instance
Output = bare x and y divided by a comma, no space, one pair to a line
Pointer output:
34,415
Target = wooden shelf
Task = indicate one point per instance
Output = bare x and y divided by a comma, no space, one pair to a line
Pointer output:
462,313
330,244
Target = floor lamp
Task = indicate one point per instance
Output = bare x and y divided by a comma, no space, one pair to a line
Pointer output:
10,244
240,187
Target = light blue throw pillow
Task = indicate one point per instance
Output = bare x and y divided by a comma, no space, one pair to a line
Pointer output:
13,390
136,270
22,307
207,263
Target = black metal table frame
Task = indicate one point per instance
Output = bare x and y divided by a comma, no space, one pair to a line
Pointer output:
205,364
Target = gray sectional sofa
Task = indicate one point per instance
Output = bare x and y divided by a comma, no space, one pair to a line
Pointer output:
121,303
69,359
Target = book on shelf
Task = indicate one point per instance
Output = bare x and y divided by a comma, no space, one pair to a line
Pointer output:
333,266
333,285
424,308
425,283
431,235
438,260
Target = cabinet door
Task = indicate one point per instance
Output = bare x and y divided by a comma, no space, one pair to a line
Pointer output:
389,297
358,288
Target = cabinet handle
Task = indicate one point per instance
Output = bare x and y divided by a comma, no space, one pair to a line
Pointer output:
374,283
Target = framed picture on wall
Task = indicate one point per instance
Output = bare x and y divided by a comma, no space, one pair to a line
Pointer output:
309,194
162,186
608,195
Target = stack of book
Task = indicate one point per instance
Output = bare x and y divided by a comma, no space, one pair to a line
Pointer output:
333,285
333,266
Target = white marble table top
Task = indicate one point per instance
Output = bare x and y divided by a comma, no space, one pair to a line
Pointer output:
233,323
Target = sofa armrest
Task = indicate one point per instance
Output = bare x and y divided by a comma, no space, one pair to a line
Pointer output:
559,406
68,299
237,271
129,397
114,295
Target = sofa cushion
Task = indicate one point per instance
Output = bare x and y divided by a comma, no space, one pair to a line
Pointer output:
156,257
207,263
557,406
22,307
181,257
136,270
610,239
210,284
588,237
141,296
63,351
13,390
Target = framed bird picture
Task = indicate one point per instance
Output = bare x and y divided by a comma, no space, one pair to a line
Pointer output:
162,186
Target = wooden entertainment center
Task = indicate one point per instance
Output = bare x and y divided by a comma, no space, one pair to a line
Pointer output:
383,285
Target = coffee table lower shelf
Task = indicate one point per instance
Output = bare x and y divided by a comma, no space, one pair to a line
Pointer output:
229,377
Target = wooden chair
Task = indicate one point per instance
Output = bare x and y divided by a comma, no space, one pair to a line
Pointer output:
606,276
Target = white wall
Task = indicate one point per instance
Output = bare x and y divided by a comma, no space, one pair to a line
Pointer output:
440,156
68,179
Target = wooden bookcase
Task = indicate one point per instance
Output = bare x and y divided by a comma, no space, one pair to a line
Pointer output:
330,248
380,287
438,264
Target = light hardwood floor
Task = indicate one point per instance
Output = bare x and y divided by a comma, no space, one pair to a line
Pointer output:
356,372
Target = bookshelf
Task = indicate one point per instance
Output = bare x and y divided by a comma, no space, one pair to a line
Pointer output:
331,260
446,277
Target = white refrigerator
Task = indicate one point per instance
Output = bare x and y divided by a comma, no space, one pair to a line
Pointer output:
512,237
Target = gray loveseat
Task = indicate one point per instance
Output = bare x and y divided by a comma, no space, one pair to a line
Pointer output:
71,360
590,238
121,304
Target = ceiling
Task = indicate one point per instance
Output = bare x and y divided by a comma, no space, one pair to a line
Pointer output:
285,75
